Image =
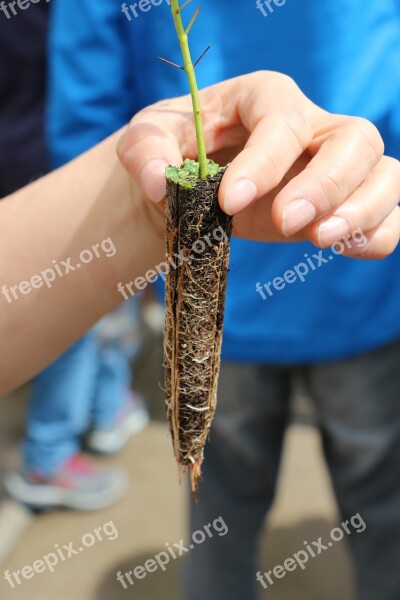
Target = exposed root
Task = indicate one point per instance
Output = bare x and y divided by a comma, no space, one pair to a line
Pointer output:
195,295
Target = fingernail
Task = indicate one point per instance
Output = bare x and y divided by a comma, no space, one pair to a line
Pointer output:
333,230
239,195
297,215
152,179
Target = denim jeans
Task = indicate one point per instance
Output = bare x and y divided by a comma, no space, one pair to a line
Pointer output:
357,402
86,385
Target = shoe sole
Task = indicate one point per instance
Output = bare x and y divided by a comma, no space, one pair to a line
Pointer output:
49,496
108,443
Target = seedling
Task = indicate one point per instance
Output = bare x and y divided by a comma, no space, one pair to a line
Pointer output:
198,231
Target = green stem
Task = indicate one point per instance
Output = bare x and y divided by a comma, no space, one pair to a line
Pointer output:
194,90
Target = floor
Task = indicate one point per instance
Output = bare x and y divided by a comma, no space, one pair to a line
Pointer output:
154,513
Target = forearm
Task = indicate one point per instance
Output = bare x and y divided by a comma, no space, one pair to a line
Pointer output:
57,217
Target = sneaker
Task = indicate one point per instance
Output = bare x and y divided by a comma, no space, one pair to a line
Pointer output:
154,316
79,485
114,438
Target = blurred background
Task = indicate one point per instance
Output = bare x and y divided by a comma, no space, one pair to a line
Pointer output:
154,513
92,426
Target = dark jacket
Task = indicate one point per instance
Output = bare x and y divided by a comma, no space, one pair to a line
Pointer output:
23,39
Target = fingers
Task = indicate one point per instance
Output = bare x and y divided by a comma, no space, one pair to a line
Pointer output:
371,203
380,242
276,143
147,147
346,186
246,108
279,132
265,111
340,166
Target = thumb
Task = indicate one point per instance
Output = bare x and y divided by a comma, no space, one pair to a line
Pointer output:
145,150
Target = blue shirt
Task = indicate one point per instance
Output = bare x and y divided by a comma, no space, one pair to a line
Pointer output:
345,55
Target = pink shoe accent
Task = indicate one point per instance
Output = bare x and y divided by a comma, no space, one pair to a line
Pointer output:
79,464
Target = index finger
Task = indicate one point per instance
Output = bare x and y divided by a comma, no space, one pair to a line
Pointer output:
276,116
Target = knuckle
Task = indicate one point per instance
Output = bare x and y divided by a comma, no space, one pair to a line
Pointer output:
285,84
388,241
298,125
370,136
336,184
369,213
265,74
388,172
274,168
289,81
391,166
386,247
334,187
270,162
392,245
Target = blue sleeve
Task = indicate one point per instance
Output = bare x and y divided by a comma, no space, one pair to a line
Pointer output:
88,95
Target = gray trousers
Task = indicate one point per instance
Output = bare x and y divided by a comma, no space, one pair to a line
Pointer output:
357,402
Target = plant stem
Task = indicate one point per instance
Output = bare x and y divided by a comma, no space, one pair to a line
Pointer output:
194,90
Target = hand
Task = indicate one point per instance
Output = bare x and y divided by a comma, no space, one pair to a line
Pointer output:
296,171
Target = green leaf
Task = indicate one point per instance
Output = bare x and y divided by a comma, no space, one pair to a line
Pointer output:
187,175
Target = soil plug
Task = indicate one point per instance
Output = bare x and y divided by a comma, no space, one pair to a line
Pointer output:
198,241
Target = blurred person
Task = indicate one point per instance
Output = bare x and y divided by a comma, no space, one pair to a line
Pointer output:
88,388
342,327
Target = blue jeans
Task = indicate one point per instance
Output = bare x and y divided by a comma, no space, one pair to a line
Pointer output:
86,385
357,402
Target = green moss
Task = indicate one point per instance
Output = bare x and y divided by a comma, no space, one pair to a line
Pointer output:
187,175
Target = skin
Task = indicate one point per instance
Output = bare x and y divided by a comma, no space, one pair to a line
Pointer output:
276,138
89,200
289,149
